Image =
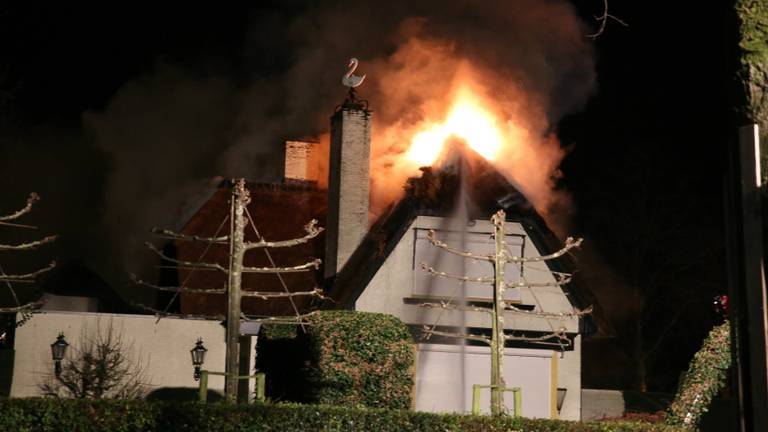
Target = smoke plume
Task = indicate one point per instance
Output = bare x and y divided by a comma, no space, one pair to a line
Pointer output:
166,134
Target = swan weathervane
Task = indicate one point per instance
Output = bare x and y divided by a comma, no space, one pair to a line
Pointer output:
350,80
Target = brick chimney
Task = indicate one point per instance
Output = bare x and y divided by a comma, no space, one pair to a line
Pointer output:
302,162
348,184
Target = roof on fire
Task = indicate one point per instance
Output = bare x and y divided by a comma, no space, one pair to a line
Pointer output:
280,210
436,193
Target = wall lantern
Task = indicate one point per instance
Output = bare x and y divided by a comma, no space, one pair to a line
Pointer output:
561,398
198,357
58,351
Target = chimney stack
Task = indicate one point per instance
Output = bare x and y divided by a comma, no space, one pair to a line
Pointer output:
302,162
348,183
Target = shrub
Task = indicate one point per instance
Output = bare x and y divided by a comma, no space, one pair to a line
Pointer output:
346,358
101,367
704,379
33,415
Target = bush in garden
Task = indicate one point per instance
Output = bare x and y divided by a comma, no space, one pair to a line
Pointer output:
346,358
704,379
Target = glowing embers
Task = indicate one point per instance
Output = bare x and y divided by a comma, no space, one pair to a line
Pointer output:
467,120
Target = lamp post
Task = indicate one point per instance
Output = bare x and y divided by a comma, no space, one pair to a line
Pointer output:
58,350
198,357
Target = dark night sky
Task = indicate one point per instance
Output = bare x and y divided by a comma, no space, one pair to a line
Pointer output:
647,162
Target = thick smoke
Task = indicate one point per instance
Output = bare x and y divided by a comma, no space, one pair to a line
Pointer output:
169,133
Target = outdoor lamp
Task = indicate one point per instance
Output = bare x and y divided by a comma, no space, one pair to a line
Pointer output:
198,357
561,398
58,350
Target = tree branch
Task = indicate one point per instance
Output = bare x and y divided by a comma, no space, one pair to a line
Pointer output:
25,307
33,198
512,308
312,231
461,253
570,243
449,306
186,264
160,313
434,272
265,295
171,235
29,277
138,281
429,332
603,19
27,246
663,334
445,305
561,280
559,335
297,319
312,265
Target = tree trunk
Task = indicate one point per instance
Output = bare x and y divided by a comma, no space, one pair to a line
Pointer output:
239,199
497,332
752,75
748,316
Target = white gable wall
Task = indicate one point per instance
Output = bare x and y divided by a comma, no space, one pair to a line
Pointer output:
398,277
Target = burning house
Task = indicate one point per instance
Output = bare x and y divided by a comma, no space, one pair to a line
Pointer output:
375,267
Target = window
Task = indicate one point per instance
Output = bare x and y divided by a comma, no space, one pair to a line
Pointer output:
478,243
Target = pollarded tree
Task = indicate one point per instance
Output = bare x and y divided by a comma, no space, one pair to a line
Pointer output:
240,219
499,307
10,280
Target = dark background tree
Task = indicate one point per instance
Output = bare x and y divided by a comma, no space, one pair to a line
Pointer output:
647,172
666,265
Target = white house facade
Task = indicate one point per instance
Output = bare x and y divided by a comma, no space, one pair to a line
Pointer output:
447,371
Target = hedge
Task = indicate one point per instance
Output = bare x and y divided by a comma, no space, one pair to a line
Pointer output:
344,358
704,379
43,415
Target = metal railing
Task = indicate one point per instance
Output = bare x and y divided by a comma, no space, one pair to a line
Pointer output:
259,377
516,396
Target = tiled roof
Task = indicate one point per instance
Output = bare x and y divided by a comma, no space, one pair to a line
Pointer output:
279,211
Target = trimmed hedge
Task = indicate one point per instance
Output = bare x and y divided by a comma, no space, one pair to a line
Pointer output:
39,415
344,358
705,377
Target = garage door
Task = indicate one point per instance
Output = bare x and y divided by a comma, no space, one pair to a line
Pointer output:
446,373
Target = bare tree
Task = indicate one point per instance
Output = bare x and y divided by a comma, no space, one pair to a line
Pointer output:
603,20
667,263
498,337
9,280
240,219
101,367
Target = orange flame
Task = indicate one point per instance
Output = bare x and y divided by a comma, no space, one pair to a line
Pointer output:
457,100
468,120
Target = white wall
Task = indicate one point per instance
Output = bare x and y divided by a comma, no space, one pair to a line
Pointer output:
395,281
569,377
163,347
452,370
